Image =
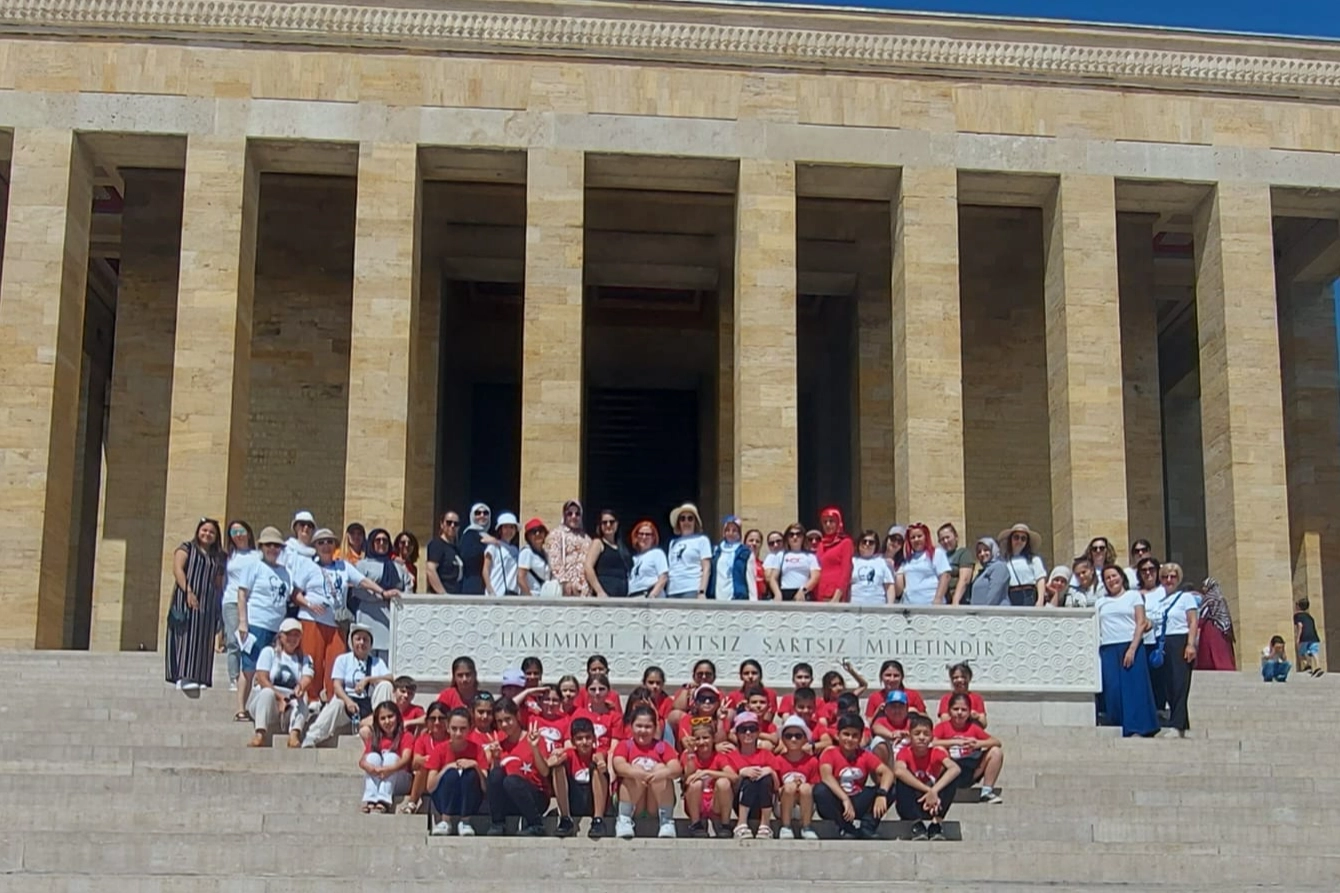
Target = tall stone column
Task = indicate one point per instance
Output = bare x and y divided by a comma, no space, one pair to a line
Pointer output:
1141,400
876,508
927,350
1242,423
211,384
129,558
766,448
42,290
551,332
383,343
1312,446
1084,387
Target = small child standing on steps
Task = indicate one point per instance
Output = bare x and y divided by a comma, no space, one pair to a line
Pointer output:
1275,664
1307,644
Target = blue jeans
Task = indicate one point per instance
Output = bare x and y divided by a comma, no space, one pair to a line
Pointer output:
458,794
1275,670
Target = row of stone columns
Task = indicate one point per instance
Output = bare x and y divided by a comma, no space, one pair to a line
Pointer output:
41,304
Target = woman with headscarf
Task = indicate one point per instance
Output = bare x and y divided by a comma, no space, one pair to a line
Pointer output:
990,588
567,545
370,610
471,547
1214,650
650,572
198,567
835,552
733,566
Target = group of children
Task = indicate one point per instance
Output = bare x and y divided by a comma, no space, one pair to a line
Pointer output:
739,757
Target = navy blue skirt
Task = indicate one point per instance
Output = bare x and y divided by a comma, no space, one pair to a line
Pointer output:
1128,696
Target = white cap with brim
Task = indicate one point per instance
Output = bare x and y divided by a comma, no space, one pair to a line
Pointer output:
506,518
795,722
305,517
289,625
270,536
361,628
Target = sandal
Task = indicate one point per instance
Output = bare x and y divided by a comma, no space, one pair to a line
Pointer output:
742,832
379,808
409,807
242,716
367,808
764,832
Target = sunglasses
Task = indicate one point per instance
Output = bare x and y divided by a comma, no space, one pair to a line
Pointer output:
774,542
437,719
870,542
645,535
326,541
1140,550
451,522
1149,570
706,699
747,730
794,736
608,522
381,539
237,531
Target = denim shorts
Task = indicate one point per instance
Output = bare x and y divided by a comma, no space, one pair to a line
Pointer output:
1309,649
264,637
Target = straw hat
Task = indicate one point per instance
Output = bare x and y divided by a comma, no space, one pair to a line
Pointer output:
1034,539
687,508
270,536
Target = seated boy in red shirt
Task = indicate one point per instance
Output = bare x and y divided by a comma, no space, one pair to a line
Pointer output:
805,706
581,784
891,727
845,769
925,776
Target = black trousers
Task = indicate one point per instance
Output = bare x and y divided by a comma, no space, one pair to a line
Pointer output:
830,807
907,800
512,795
754,795
1173,685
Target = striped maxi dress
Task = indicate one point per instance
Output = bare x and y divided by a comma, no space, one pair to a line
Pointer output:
190,634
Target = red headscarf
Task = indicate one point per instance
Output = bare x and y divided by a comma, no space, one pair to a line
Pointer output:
834,554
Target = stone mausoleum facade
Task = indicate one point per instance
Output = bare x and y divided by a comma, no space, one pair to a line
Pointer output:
378,260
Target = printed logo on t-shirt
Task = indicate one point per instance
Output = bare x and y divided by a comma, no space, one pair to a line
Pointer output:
797,777
866,575
551,733
852,779
645,762
601,729
582,775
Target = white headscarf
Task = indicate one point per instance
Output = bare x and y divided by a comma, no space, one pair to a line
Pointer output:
488,521
993,546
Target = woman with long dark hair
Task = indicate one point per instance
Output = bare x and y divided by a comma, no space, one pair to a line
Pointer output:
241,555
1020,545
371,610
407,553
198,567
608,561
1127,698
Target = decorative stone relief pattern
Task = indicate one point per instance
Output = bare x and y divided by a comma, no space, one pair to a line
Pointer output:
631,38
1010,650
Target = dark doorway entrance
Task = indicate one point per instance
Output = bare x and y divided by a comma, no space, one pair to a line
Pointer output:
641,453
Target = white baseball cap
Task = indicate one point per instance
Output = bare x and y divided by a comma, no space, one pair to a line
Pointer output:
303,516
513,676
289,625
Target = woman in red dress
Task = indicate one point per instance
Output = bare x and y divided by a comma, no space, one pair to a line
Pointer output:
1215,649
834,554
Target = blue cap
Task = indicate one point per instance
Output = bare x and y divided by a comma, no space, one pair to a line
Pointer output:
897,696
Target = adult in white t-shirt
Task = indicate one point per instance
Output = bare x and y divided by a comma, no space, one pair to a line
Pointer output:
263,597
1027,575
872,582
242,554
501,558
1127,699
533,562
688,554
283,675
923,578
650,573
792,573
1172,681
361,681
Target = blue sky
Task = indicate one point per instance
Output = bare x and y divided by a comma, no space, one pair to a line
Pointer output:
1311,18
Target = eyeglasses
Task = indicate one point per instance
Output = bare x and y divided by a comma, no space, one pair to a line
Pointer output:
793,736
645,534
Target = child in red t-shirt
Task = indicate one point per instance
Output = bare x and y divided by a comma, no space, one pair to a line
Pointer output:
596,665
386,759
891,676
978,754
707,783
434,734
753,778
456,770
806,707
464,685
653,680
845,769
623,729
706,705
704,673
751,675
960,678
481,719
519,769
891,727
549,718
925,776
756,702
580,783
646,768
797,773
569,689
802,676
599,710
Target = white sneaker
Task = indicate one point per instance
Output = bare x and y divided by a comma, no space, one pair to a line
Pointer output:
809,833
308,743
232,686
189,686
443,829
623,828
465,829
667,829
785,833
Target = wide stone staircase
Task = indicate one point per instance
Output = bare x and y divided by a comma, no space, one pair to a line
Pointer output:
111,781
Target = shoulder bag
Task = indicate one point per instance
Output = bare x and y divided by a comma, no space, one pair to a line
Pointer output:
1158,655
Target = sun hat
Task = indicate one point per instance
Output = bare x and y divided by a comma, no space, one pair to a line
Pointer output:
706,689
687,508
270,536
361,628
1034,538
533,525
513,676
303,516
325,533
795,722
505,518
290,625
745,718
1061,571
